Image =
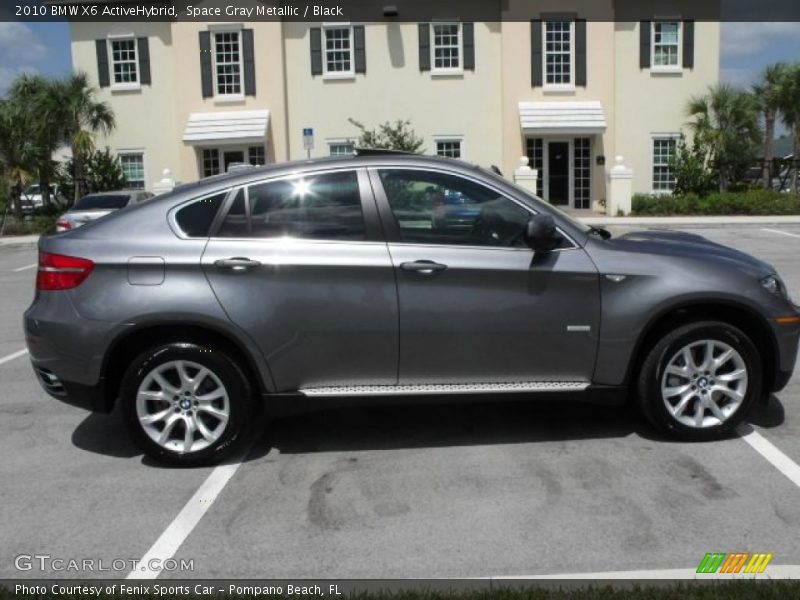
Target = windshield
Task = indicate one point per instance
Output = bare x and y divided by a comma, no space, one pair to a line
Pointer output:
102,202
32,190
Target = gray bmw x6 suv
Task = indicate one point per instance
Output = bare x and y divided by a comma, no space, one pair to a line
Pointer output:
336,279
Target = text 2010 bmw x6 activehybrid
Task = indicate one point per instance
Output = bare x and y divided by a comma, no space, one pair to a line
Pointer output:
352,277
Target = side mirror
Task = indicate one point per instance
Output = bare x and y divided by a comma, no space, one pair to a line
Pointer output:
541,234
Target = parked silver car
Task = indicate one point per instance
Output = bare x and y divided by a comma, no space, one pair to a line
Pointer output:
93,206
336,278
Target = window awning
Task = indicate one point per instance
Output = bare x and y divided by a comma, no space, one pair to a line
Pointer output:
562,117
231,127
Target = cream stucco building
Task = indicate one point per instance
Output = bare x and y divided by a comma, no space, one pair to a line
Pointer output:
563,82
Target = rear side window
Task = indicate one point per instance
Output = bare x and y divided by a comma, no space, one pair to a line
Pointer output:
195,219
317,207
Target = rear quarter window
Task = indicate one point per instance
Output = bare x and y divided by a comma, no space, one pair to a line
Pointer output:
195,219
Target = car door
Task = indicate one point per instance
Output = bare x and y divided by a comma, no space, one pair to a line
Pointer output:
476,304
300,264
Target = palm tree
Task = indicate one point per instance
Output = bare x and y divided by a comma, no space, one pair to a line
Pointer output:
789,102
17,151
81,116
768,95
725,120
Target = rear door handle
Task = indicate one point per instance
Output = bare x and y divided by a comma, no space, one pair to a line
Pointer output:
237,263
423,266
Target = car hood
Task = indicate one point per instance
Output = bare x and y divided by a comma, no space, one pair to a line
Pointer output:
687,245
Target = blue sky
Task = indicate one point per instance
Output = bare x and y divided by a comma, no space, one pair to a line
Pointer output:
746,49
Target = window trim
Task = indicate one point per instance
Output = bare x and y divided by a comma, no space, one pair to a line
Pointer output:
559,87
653,137
341,141
676,68
132,152
446,71
221,150
326,74
127,86
437,139
215,30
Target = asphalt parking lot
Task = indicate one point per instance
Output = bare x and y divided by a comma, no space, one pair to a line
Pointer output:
450,491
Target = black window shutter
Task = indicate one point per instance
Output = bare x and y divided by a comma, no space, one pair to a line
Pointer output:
248,53
102,63
468,35
580,52
688,44
316,50
424,47
206,82
143,47
537,76
644,44
359,49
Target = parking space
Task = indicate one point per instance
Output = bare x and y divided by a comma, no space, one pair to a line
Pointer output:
445,491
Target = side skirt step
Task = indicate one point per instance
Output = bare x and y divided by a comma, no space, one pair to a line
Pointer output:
446,388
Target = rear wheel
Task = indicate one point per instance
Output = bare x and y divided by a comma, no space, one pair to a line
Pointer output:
699,381
185,404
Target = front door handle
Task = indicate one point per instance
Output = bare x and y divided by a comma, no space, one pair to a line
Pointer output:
425,267
238,264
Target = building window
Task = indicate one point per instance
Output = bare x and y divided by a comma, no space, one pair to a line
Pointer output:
666,44
210,162
255,156
534,150
341,148
583,172
446,46
558,53
663,154
338,50
448,148
228,63
132,164
124,62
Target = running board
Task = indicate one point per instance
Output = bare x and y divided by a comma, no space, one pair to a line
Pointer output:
446,388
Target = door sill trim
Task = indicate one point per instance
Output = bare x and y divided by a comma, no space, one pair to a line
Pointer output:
446,388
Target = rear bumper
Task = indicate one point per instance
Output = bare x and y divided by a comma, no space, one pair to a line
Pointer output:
87,397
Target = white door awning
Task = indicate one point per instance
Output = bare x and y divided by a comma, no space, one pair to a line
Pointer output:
562,117
231,127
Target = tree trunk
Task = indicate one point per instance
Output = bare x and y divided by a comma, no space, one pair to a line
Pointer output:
77,175
769,149
16,199
44,188
796,161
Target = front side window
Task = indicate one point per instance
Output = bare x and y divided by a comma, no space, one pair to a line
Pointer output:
195,219
338,50
210,162
666,44
448,148
663,155
438,208
316,207
228,63
132,164
124,62
446,46
558,53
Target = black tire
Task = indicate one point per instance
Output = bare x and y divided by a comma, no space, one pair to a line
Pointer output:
241,403
648,386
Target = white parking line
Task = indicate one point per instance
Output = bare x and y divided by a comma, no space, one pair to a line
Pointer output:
25,268
11,357
775,457
794,235
176,532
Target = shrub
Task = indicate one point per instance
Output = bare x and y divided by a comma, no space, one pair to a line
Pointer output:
40,223
756,201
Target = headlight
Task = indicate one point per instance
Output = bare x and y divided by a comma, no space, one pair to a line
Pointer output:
775,285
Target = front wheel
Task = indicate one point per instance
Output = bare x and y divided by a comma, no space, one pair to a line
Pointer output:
186,405
699,381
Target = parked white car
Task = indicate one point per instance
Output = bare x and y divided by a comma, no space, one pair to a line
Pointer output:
32,196
99,204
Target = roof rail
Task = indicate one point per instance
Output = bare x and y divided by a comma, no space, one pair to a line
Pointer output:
379,152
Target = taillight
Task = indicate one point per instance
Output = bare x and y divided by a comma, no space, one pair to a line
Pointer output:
63,225
58,272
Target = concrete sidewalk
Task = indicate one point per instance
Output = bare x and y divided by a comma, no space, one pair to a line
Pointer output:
8,240
693,221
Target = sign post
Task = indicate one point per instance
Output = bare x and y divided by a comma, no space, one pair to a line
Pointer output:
308,140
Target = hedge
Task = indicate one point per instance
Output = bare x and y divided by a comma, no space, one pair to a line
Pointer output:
750,202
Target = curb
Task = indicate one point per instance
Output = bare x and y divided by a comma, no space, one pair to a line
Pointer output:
12,240
730,221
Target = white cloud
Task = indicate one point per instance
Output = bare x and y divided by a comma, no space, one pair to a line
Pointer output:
18,42
747,39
